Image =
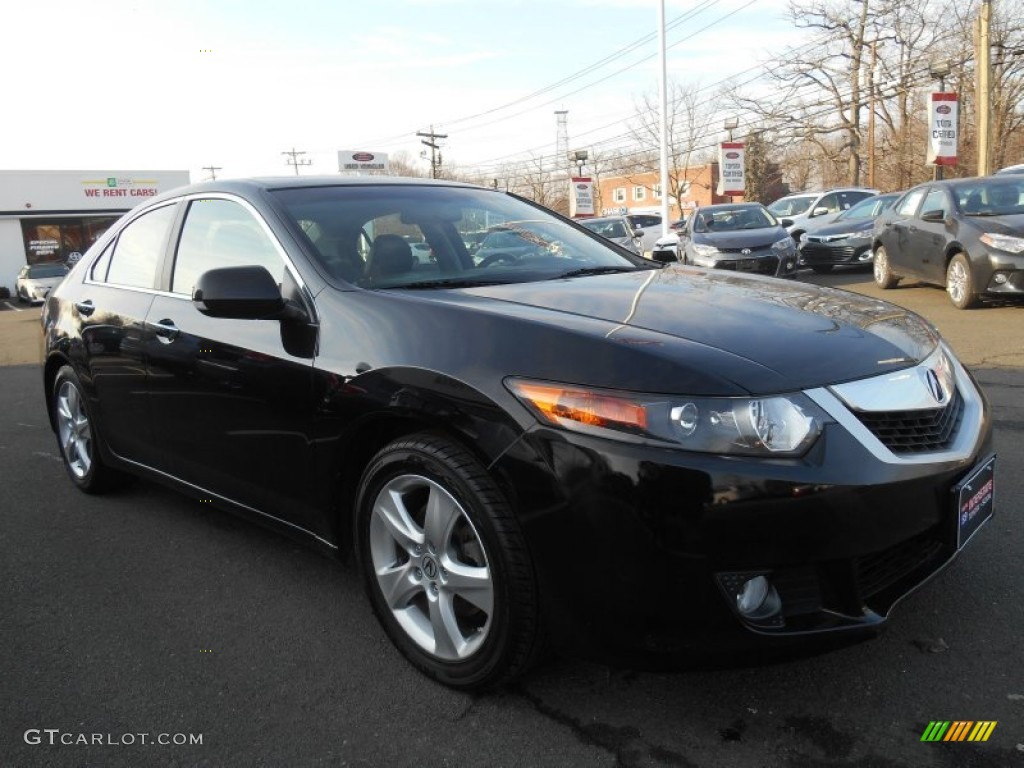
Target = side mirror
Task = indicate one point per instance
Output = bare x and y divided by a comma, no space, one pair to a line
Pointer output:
820,211
936,217
786,222
240,293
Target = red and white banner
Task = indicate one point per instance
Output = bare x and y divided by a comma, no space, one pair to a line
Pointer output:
581,197
731,174
942,129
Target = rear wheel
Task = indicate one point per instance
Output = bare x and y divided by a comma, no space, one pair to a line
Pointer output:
884,278
77,436
960,283
445,564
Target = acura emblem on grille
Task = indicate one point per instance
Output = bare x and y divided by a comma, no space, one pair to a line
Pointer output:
745,251
935,386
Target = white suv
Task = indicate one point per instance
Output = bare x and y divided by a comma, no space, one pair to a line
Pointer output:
797,212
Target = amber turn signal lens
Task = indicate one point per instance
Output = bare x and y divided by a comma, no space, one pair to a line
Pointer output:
556,404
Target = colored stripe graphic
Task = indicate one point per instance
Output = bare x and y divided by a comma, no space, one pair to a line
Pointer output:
982,730
959,730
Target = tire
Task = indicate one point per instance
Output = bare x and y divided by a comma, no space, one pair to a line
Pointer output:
960,283
884,277
77,436
445,565
822,269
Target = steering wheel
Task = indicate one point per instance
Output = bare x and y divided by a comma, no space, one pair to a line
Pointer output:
494,258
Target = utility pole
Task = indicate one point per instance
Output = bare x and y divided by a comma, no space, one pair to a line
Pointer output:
213,171
435,149
295,159
871,114
983,94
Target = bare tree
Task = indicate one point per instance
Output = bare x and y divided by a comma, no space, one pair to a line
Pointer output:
536,180
690,119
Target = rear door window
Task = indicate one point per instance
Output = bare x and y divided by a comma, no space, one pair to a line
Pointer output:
138,249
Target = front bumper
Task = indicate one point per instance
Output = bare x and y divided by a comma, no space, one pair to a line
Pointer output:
642,549
838,253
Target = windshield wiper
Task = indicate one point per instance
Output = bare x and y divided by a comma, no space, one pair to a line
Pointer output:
599,271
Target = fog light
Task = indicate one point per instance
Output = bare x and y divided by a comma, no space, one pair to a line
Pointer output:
999,278
758,600
790,264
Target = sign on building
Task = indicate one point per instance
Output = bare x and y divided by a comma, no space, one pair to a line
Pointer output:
942,129
351,161
731,177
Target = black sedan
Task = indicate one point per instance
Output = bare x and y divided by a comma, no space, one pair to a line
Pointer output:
965,234
744,237
846,240
570,444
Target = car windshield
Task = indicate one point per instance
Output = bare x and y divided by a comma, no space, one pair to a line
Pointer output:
606,228
868,208
47,270
991,197
728,219
791,206
359,234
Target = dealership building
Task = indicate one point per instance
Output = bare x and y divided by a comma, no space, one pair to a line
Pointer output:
56,215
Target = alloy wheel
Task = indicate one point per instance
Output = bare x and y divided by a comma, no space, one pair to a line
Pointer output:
431,567
74,430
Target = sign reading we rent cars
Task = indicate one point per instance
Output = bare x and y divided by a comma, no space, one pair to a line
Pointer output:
942,129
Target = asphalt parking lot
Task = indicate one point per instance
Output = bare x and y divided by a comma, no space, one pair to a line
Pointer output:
146,613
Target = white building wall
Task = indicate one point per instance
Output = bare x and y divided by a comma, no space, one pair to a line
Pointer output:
12,252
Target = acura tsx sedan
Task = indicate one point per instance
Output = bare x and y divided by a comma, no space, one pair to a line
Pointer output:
568,446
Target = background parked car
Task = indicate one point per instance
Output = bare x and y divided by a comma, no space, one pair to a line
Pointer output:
650,227
846,240
743,237
966,234
1019,168
667,248
617,229
798,212
35,281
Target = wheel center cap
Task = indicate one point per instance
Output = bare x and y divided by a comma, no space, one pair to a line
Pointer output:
429,566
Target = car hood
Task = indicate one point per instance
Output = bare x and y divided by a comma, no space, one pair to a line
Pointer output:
1012,224
790,335
753,238
842,227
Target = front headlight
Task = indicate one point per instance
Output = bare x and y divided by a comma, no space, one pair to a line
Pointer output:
776,425
785,245
703,250
851,236
1003,242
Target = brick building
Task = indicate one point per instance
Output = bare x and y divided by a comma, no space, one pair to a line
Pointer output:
641,192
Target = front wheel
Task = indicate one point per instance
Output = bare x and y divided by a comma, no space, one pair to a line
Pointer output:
884,278
960,283
445,565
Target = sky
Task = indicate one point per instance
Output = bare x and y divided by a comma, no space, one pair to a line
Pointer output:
143,85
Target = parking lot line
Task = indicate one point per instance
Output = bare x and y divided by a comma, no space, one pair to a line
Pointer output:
11,306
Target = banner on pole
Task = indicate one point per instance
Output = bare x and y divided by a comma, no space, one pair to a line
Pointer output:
731,176
942,129
581,197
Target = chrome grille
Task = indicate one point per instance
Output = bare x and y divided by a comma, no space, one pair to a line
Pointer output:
917,431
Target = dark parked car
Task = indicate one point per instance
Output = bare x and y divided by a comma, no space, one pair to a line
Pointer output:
740,236
573,444
965,234
845,241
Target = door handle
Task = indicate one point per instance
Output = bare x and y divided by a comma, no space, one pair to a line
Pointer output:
85,307
165,330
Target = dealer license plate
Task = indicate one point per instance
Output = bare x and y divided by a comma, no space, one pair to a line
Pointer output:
975,497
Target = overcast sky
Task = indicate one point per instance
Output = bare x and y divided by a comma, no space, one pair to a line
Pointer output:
143,85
